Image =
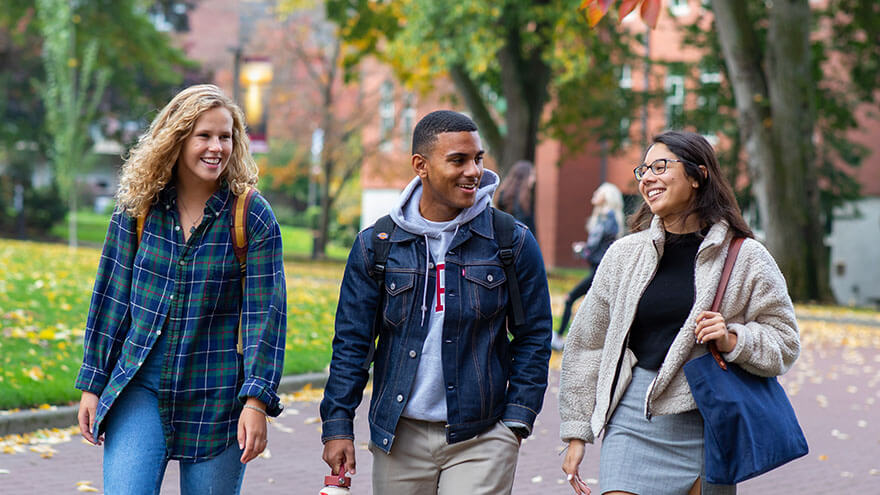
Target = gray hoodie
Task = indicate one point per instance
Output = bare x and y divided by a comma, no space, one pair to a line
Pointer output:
427,400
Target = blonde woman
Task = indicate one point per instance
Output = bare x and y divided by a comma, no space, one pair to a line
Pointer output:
604,226
161,377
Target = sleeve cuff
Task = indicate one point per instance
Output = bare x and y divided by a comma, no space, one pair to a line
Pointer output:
91,379
576,429
334,429
259,389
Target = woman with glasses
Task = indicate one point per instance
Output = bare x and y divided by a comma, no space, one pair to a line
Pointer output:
648,312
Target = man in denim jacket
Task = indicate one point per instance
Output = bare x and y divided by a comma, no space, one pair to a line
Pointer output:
456,386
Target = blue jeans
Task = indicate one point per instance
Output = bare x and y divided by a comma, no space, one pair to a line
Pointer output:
134,446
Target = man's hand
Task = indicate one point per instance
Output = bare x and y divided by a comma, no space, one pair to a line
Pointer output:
338,453
252,430
88,403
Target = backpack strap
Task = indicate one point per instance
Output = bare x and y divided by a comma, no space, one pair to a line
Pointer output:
504,225
141,220
240,206
382,231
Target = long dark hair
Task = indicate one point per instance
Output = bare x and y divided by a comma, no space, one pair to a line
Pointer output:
515,188
714,198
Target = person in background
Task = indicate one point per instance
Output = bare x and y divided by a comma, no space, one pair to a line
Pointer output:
453,394
162,377
516,195
604,226
650,305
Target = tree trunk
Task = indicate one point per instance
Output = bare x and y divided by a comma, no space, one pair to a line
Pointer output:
524,79
794,206
776,120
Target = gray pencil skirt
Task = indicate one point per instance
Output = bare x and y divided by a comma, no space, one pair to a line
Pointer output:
657,457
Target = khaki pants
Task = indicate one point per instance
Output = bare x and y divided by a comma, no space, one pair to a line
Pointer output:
421,462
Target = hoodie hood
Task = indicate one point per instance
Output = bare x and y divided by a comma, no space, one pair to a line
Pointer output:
407,216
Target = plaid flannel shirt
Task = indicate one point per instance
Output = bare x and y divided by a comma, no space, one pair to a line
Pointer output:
192,291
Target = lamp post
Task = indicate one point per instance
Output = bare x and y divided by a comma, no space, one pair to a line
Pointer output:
254,77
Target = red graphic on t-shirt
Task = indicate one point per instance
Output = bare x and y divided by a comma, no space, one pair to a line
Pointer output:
441,286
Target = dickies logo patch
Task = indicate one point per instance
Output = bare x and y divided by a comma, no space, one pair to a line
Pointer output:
382,235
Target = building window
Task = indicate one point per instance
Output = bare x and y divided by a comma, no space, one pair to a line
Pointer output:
679,8
625,123
707,101
626,80
407,121
386,115
675,100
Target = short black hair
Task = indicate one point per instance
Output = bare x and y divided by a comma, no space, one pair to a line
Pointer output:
437,122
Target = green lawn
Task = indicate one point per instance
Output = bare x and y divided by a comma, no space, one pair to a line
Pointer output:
44,297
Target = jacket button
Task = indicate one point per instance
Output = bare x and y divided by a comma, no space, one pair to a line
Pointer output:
412,354
399,398
430,266
489,277
451,387
392,286
384,441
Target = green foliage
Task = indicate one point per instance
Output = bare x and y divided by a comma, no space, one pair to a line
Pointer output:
553,53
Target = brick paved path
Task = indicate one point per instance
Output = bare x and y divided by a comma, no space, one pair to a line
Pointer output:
835,392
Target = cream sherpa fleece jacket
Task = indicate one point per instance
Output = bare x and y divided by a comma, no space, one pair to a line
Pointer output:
756,307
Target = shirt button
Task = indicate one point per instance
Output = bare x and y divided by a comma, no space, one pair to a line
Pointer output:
384,441
412,354
177,228
159,332
399,398
489,277
167,207
171,297
182,262
141,363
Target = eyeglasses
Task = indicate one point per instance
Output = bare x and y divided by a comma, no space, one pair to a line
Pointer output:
658,167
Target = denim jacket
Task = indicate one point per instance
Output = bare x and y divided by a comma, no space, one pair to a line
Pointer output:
489,376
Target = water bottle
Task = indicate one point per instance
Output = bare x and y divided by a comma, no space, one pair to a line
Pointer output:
337,484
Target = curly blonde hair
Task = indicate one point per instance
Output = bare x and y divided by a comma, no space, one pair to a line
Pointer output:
151,162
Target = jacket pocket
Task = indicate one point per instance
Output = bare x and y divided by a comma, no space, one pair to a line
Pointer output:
487,289
398,297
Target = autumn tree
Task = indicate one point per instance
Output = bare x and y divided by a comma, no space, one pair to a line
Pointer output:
507,59
328,103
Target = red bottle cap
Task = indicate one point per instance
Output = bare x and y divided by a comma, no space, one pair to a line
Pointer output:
340,480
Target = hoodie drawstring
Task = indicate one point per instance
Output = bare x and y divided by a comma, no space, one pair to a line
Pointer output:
427,273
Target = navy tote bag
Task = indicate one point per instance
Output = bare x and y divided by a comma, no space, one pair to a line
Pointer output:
749,424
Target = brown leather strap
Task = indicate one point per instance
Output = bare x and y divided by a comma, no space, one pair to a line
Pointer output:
732,253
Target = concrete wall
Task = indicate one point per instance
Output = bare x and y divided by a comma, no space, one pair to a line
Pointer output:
855,254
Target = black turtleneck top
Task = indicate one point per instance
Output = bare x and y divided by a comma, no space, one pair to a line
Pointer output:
666,302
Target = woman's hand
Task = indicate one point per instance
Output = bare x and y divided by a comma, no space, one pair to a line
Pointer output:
572,462
252,430
711,326
88,404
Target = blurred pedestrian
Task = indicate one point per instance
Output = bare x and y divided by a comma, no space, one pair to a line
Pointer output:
162,377
649,304
604,226
516,194
452,397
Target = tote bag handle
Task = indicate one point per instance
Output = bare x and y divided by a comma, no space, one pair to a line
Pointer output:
732,253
